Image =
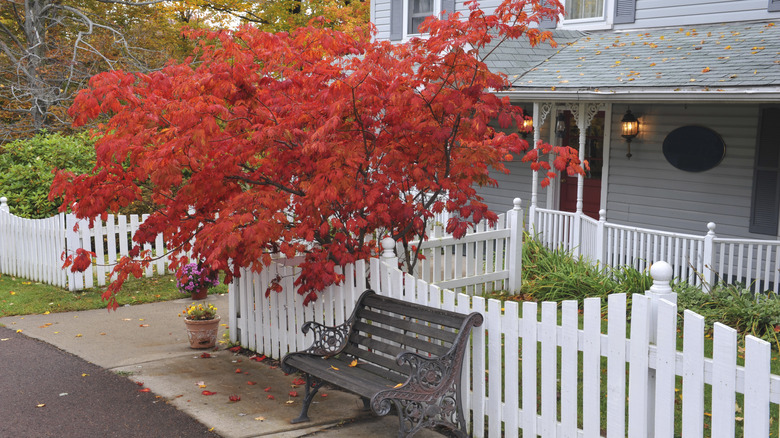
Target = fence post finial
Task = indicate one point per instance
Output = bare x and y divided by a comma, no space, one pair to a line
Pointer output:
388,251
4,204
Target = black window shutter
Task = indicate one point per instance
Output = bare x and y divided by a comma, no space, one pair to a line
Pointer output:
625,11
396,20
447,6
774,6
547,23
766,176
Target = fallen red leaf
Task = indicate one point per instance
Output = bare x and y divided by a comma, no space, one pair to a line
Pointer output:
235,349
323,395
234,398
238,370
293,393
145,390
267,389
257,358
270,397
205,356
208,393
251,383
139,383
299,382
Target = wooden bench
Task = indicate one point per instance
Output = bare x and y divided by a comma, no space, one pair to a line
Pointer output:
392,353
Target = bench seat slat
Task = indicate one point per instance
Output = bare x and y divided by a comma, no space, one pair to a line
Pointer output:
447,335
401,338
359,379
416,311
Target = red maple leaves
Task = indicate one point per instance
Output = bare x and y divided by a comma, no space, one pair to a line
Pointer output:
305,143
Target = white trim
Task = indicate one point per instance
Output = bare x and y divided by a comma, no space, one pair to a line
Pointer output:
406,34
594,23
633,95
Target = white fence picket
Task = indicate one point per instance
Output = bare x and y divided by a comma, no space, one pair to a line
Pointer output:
511,331
494,371
758,354
665,369
724,380
616,366
569,371
693,375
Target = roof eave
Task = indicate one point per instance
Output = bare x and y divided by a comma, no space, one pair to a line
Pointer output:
654,95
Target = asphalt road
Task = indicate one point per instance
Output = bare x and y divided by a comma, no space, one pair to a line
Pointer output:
47,392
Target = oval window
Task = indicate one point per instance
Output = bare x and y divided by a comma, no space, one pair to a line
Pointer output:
694,148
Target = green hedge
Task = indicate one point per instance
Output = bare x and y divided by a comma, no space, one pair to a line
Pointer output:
26,170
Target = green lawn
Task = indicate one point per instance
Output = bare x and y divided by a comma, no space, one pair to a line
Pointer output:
19,296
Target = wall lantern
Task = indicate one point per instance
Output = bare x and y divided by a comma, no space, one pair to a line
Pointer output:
560,125
630,128
528,124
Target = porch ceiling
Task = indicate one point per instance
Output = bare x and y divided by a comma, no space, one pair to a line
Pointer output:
726,62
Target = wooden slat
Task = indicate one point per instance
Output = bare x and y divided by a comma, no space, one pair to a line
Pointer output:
401,338
408,325
436,316
370,356
353,379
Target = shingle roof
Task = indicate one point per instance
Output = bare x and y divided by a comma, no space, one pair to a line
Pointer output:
708,57
514,57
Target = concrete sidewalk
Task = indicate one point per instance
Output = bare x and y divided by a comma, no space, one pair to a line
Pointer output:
148,343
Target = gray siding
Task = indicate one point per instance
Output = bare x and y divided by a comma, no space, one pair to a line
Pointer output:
515,184
661,13
647,191
382,18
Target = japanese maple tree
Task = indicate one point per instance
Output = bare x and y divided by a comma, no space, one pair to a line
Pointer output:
314,142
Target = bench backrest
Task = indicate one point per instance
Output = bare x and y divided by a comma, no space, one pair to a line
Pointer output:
383,327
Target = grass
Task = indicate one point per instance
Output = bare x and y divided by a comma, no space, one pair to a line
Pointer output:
19,296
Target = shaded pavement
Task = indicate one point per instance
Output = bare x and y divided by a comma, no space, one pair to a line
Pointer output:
88,368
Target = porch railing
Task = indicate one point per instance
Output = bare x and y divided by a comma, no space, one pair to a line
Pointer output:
703,260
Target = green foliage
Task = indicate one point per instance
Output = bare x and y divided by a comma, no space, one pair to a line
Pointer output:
555,275
733,305
26,170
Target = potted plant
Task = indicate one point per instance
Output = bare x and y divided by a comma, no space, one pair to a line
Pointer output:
196,280
202,324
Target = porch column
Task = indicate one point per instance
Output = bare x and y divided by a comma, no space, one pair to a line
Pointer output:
534,174
583,125
540,113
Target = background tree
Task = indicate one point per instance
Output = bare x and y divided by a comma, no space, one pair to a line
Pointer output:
313,142
49,48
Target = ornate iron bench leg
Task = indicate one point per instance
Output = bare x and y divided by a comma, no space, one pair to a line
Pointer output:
313,385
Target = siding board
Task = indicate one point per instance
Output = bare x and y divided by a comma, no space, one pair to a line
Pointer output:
647,191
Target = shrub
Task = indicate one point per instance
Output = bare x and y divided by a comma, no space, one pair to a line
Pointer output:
26,170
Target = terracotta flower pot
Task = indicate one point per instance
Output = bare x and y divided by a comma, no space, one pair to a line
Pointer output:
202,333
200,294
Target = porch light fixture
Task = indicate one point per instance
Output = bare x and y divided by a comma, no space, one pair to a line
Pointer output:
630,128
528,124
560,125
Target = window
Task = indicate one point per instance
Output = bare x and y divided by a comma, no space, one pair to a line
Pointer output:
419,10
766,175
581,9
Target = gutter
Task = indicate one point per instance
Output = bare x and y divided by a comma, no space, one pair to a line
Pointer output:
757,95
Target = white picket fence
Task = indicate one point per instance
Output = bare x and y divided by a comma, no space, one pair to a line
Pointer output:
701,260
533,375
488,258
34,248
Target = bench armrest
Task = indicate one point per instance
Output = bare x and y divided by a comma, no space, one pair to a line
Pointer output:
429,378
328,341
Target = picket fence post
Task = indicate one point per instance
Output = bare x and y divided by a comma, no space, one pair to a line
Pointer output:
4,205
601,253
709,258
515,259
661,272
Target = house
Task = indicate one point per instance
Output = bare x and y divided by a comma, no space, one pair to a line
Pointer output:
700,77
